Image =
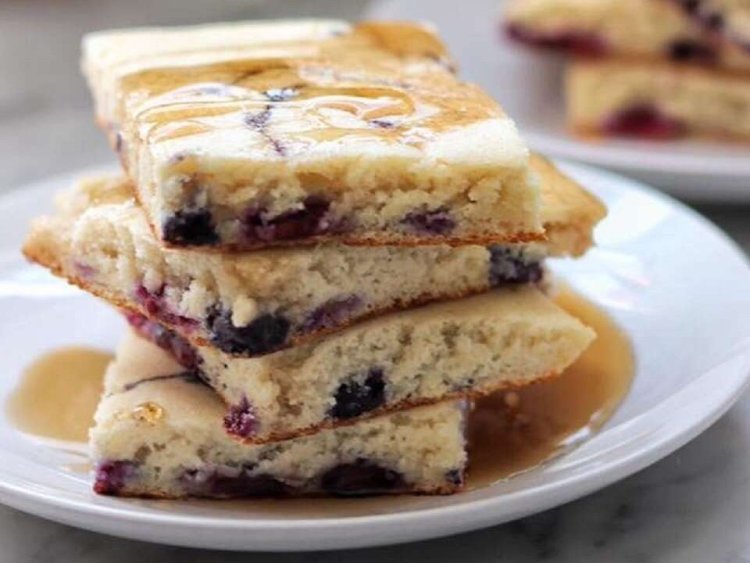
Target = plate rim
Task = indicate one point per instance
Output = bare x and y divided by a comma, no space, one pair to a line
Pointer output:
607,152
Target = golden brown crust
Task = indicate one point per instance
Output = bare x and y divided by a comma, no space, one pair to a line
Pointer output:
46,257
374,239
471,394
442,490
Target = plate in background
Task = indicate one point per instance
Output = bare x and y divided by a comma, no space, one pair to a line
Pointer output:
671,280
529,85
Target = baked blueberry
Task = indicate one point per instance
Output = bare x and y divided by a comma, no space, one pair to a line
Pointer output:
190,227
692,51
310,220
228,483
332,313
155,306
358,396
507,265
168,340
110,476
643,121
241,420
455,477
435,222
265,334
362,477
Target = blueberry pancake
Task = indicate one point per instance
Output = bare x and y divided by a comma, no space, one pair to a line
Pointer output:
624,98
257,134
503,339
675,31
159,433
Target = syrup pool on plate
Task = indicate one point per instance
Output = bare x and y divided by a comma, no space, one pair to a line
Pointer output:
518,430
58,393
508,432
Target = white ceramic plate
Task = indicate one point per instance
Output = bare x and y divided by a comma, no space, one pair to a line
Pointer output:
676,284
529,87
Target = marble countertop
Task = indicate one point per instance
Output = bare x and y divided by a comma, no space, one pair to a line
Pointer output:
691,507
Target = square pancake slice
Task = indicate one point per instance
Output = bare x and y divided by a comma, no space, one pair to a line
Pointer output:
652,100
503,339
250,304
705,33
254,134
159,433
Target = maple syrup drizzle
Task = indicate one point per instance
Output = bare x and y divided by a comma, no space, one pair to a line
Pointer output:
374,71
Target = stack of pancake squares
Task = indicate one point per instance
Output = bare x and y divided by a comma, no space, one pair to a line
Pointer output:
326,246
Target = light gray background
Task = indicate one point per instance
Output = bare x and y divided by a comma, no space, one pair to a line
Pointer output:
693,506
